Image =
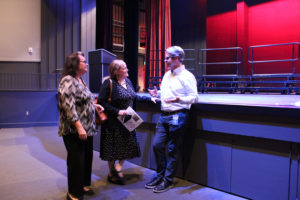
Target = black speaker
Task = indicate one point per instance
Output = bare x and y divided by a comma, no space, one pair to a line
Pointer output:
99,61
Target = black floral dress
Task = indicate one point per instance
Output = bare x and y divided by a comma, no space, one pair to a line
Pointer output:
116,142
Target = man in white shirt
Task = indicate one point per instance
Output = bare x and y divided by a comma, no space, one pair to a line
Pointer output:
178,92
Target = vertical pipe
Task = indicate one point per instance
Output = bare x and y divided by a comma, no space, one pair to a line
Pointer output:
293,62
252,61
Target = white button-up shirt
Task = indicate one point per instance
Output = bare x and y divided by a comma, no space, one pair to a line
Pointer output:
179,83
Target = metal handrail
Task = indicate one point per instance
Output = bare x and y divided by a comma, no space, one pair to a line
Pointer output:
252,61
191,58
237,62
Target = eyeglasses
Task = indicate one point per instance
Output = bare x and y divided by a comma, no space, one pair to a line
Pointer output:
168,57
83,61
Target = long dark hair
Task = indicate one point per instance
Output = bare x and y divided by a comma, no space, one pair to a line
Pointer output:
71,64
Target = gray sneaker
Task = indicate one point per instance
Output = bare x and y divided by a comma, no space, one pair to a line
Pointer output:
164,186
154,182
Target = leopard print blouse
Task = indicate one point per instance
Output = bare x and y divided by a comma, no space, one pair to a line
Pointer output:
75,103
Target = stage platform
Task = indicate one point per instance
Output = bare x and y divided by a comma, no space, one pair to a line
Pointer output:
274,100
261,100
245,144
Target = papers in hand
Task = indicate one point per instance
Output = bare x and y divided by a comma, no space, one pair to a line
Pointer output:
132,120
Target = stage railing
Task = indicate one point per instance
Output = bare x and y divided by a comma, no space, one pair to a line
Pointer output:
219,82
239,59
286,83
252,61
190,59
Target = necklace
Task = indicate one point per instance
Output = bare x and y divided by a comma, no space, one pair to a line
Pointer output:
123,84
81,81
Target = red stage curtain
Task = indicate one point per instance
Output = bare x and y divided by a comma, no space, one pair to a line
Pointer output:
158,37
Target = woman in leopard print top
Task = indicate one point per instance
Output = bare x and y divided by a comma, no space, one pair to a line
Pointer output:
77,124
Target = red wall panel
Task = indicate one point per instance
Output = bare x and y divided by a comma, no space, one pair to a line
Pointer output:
221,32
272,23
269,22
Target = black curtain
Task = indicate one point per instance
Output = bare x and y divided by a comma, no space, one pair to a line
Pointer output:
131,38
104,15
189,30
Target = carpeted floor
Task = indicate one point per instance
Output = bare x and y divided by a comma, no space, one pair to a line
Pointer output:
33,167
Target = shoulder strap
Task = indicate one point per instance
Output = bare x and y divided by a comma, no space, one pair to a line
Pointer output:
110,87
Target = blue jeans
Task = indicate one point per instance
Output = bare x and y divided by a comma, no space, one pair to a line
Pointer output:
169,134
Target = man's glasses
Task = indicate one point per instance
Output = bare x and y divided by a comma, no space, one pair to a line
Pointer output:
168,57
83,61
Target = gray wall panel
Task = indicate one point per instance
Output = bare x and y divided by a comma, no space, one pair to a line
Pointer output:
61,25
96,141
61,32
20,67
51,27
76,36
210,164
270,130
68,27
46,14
294,171
144,137
260,169
298,182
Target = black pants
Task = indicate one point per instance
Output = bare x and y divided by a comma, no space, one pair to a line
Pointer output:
79,162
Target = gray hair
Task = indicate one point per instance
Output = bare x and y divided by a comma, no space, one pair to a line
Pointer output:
176,51
114,67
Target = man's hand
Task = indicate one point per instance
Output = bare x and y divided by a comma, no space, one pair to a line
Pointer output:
154,99
176,99
153,92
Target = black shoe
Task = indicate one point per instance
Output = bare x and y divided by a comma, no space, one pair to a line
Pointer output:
163,186
71,198
154,182
89,192
116,180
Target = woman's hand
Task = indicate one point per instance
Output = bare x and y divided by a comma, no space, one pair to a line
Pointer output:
82,134
122,113
153,92
80,130
98,107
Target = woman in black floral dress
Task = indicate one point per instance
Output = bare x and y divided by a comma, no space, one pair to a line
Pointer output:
117,143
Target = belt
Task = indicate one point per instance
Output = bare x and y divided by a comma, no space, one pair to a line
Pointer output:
174,112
